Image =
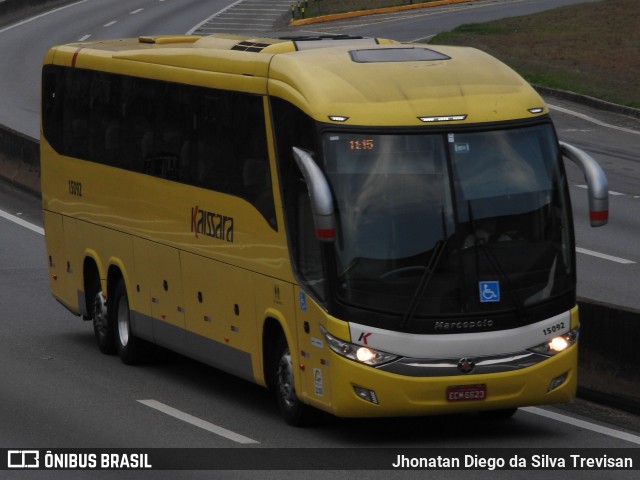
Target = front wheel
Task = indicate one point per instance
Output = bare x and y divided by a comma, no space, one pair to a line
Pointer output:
293,410
129,347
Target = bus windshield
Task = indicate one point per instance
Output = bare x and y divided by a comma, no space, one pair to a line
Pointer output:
491,203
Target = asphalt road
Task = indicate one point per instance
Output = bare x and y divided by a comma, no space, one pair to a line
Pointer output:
57,390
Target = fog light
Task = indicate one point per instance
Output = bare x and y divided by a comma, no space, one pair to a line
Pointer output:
556,382
366,394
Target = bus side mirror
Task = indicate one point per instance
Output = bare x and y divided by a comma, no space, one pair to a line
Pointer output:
320,195
597,184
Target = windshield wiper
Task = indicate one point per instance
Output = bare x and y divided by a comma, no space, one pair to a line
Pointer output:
425,279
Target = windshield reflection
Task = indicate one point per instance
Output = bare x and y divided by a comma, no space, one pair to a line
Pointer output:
491,200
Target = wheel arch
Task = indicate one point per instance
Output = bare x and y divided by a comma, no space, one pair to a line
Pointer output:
117,271
92,273
275,328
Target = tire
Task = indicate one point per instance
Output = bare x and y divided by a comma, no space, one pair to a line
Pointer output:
130,348
102,326
295,412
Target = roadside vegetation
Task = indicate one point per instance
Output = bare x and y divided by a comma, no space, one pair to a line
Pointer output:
316,8
590,48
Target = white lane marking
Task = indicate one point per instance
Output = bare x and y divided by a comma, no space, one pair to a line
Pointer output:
190,32
610,192
136,11
21,222
422,39
112,22
627,437
84,37
592,120
604,256
185,417
19,24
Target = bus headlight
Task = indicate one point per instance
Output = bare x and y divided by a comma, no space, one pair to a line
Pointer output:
358,353
557,344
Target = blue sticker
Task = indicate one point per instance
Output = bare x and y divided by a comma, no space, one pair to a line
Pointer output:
489,292
303,302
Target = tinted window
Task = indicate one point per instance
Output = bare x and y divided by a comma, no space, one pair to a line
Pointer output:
208,138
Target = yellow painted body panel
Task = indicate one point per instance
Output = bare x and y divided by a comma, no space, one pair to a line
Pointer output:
407,396
224,291
400,395
327,82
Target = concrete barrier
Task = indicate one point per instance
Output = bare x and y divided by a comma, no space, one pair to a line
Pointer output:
9,7
609,337
15,11
20,159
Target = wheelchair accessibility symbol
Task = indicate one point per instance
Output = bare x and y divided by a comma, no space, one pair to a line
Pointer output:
489,292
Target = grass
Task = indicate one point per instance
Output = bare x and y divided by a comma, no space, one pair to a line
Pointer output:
591,48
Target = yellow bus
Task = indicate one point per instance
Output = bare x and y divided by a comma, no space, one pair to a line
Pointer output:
367,227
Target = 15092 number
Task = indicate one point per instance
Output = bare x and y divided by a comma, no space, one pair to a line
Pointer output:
557,328
75,188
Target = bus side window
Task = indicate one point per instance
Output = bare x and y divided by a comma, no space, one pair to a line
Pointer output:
257,183
77,113
199,136
53,105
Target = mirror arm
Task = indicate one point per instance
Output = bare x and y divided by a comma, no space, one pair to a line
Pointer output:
320,195
597,184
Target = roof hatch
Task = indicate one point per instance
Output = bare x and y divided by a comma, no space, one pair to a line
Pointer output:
397,55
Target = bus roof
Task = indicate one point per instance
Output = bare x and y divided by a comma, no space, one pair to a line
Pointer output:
349,80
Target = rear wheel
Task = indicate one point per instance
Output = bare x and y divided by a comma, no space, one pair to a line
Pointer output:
129,347
102,327
293,410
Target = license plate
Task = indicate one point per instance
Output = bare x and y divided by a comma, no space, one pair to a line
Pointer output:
466,393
